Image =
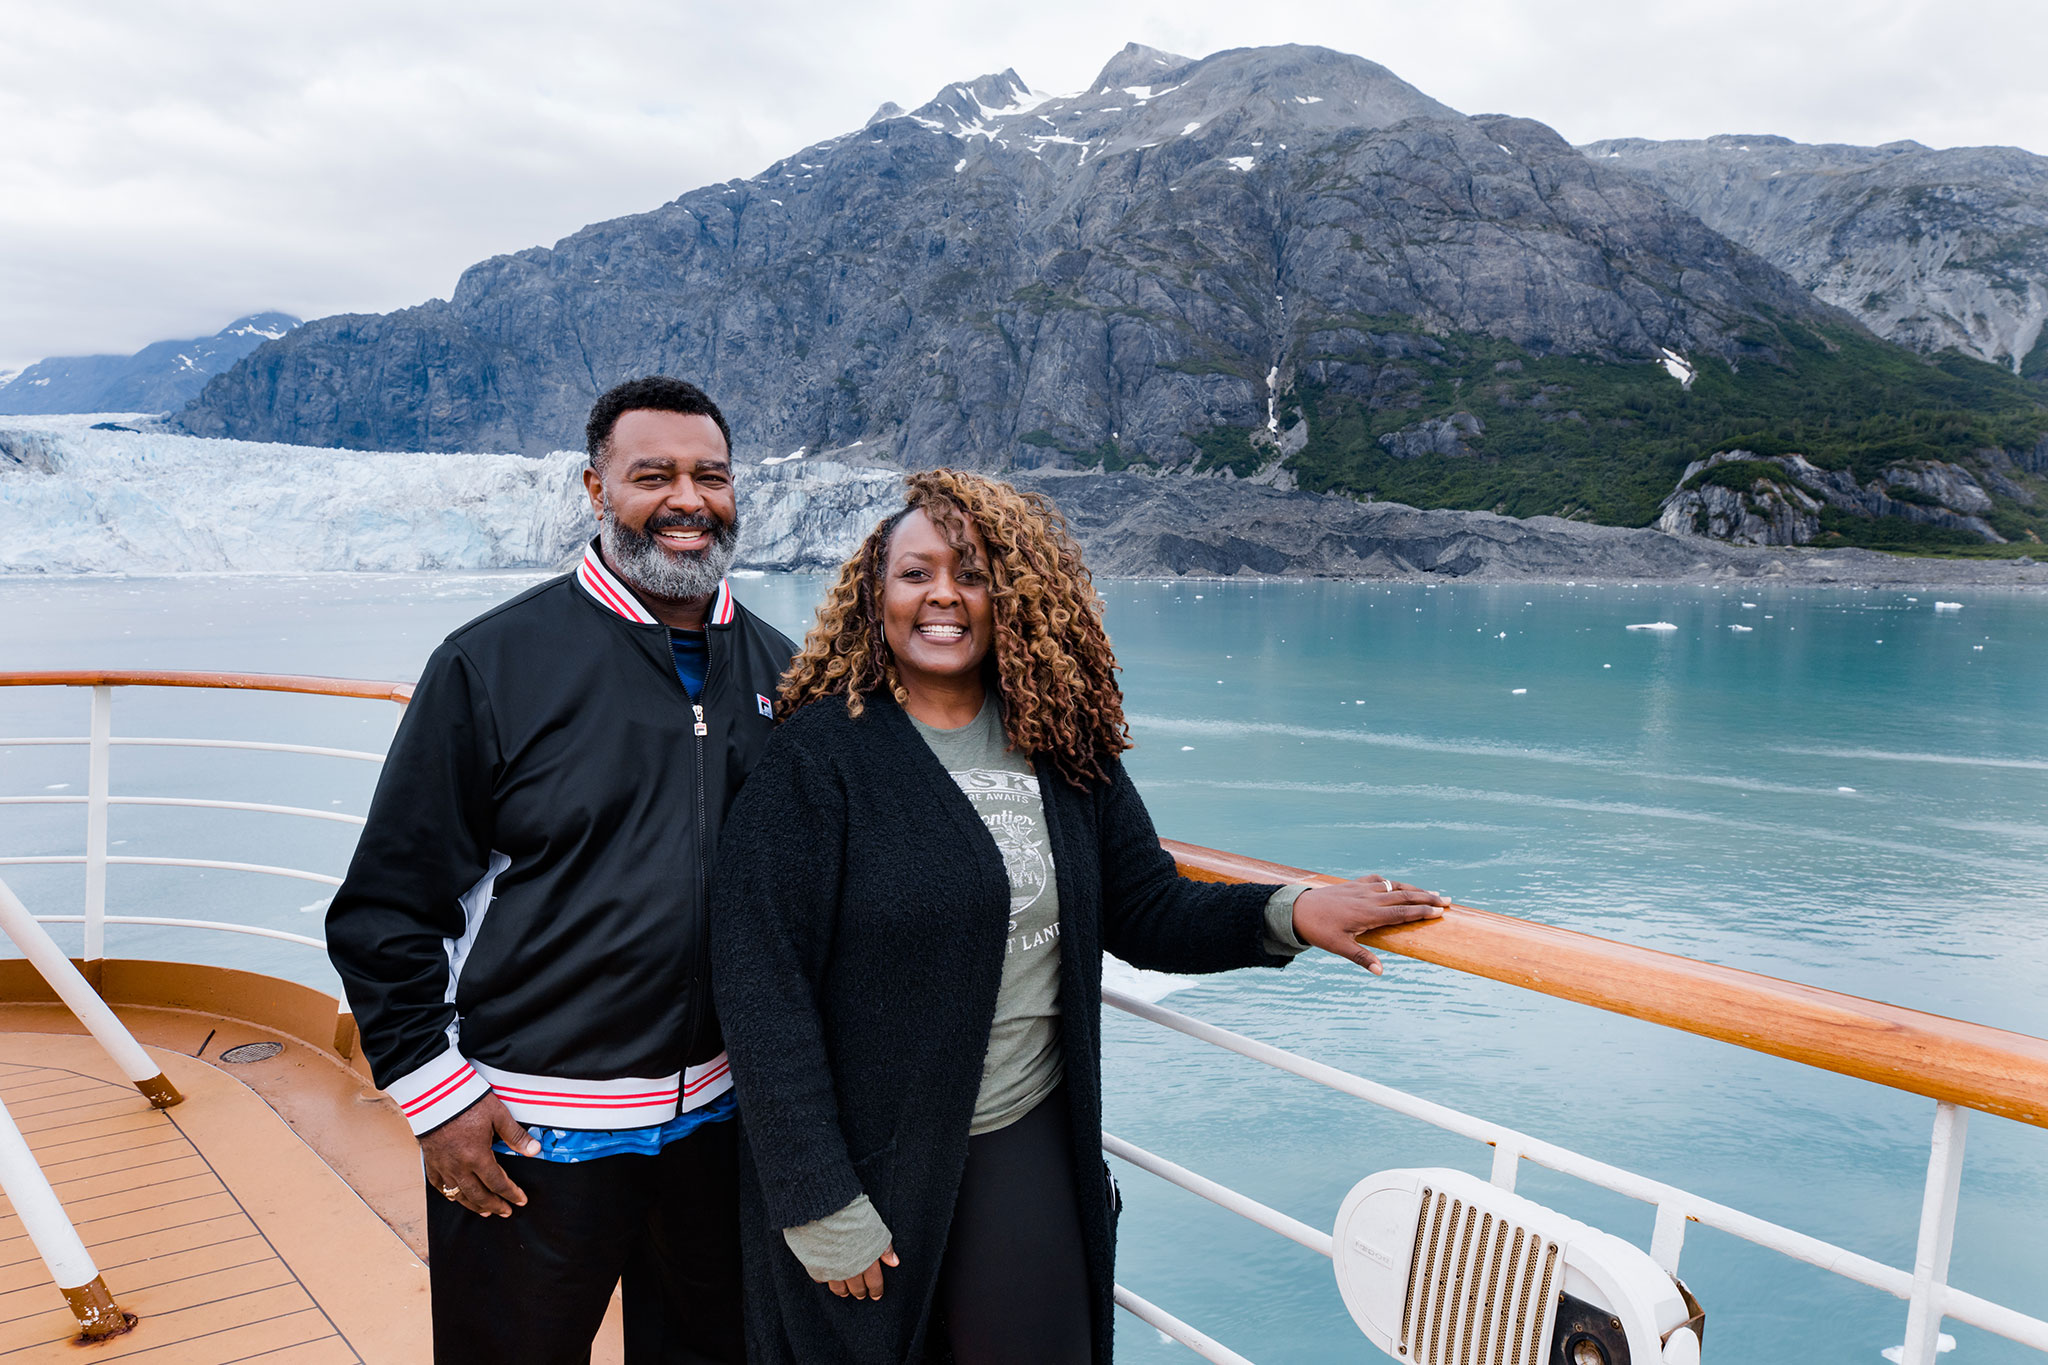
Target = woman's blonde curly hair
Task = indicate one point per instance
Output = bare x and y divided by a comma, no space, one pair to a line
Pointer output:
1050,662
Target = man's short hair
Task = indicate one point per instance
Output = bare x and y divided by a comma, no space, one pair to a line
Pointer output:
656,391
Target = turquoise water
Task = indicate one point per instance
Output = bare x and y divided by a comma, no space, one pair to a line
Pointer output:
1849,793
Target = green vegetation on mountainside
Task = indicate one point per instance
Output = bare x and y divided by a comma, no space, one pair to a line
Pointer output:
1607,441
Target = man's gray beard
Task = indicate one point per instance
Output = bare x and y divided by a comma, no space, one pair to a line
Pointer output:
636,557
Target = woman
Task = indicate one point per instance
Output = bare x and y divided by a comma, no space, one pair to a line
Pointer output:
913,896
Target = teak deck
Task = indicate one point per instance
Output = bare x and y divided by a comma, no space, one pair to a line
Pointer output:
275,1215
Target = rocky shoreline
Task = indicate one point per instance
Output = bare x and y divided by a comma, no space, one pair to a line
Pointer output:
811,515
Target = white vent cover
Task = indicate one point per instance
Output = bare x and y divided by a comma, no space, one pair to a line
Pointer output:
1441,1268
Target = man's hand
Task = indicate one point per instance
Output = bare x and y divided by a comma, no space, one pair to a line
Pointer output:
461,1165
1332,917
867,1284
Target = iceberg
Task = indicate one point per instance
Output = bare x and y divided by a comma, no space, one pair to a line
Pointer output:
1652,625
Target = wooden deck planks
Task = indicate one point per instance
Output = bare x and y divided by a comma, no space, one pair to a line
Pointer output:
192,1216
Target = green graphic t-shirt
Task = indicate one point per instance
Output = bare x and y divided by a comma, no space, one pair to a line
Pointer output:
1023,1062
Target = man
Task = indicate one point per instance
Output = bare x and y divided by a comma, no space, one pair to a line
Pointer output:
522,930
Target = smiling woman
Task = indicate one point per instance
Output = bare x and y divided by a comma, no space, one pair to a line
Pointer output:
934,853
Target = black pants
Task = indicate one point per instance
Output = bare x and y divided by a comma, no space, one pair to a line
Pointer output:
1014,1285
533,1288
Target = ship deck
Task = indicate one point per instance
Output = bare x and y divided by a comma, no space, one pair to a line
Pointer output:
275,1215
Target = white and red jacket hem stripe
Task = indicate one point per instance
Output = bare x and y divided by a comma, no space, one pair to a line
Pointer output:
628,1102
614,596
431,1095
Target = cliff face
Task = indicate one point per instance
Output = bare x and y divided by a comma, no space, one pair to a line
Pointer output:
1005,279
1932,249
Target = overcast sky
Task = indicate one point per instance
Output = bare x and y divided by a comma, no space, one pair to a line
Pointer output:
166,168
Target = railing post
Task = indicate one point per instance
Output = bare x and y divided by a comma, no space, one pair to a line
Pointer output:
1667,1238
47,958
56,1241
1937,1235
1507,1163
96,826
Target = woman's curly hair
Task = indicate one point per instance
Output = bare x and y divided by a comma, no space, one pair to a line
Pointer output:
1050,661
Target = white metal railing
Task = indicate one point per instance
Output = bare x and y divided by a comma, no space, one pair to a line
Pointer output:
99,800
1929,1296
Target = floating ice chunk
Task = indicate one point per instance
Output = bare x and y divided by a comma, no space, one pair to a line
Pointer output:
1647,625
1198,597
1978,648
1745,630
1749,606
1607,665
1850,790
1187,748
1519,692
1948,606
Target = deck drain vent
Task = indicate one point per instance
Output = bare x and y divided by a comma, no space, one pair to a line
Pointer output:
252,1052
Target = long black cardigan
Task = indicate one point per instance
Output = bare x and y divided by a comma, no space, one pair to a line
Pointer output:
858,918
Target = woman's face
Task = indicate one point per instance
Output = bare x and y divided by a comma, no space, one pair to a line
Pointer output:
936,614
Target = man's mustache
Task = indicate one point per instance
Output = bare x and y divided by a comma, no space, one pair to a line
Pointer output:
685,521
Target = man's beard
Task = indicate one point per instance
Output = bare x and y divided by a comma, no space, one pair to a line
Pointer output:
639,559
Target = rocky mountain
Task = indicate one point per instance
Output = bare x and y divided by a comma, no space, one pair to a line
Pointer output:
1930,248
1016,279
1281,265
159,377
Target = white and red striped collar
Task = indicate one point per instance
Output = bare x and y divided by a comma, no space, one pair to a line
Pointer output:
614,596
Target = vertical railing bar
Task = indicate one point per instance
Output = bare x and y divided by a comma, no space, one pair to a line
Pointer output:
1507,1163
95,946
1667,1239
1937,1235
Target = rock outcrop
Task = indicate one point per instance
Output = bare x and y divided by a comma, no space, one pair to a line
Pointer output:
1930,248
1777,499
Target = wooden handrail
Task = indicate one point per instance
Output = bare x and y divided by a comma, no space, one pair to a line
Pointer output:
1968,1064
1972,1065
254,682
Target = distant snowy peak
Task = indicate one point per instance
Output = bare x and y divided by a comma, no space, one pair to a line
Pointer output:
1145,97
157,378
1140,65
268,326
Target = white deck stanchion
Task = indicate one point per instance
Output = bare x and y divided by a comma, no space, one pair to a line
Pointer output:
56,1241
72,988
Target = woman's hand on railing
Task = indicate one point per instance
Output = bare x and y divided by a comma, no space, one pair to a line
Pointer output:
1332,917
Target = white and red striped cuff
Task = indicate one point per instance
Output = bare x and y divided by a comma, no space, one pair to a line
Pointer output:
435,1093
628,1102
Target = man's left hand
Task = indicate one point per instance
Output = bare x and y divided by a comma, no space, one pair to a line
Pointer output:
1332,917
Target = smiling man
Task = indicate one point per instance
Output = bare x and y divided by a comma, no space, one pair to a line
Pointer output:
522,929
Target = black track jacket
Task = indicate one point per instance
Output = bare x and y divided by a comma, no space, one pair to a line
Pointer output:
525,909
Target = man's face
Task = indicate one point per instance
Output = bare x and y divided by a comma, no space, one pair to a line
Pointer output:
667,520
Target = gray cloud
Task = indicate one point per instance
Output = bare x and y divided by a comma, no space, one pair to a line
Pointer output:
166,168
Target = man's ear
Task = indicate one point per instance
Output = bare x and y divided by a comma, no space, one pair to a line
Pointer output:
594,486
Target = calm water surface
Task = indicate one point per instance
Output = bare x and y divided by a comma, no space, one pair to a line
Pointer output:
1849,792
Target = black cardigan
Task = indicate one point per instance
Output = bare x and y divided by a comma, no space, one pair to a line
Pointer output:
857,922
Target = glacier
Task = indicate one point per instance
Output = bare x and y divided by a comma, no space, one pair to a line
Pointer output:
74,500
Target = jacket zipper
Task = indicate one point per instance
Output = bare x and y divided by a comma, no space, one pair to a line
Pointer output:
701,985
